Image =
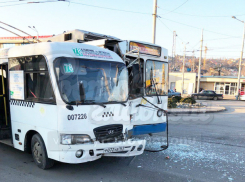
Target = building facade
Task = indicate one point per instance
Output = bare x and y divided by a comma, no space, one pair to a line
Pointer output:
226,85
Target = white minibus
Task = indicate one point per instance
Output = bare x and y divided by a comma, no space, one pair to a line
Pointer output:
65,102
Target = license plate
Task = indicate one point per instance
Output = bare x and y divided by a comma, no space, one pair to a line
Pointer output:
115,149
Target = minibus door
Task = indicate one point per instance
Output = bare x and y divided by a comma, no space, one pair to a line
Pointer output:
5,129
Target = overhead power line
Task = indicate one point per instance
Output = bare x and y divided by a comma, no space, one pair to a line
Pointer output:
24,2
223,38
13,5
177,7
114,9
9,1
199,28
14,34
204,16
171,30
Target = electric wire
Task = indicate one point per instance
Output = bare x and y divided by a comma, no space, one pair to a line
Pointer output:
177,7
9,1
171,30
124,11
198,28
204,16
13,5
113,9
222,38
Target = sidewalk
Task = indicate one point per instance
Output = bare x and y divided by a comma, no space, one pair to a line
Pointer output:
209,109
229,97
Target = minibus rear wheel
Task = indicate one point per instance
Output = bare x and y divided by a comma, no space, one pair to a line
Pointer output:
39,153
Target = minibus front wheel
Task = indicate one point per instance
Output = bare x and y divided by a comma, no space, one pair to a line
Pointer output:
39,153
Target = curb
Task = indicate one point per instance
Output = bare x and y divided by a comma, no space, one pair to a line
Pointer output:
196,112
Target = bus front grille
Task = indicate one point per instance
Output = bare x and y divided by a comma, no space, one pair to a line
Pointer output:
109,133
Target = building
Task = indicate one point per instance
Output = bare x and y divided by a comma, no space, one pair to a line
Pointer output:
175,82
226,85
7,42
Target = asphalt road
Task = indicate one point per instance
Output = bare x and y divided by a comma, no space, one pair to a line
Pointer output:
204,147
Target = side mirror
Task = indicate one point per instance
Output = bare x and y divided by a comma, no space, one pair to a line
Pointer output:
82,92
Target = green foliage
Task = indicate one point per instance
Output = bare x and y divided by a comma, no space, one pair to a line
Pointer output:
178,98
172,102
189,100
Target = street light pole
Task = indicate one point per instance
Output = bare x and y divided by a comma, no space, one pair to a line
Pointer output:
154,21
34,29
240,62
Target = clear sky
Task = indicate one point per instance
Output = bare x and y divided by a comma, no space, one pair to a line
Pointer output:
222,34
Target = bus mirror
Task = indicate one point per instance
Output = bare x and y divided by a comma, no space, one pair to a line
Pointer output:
81,91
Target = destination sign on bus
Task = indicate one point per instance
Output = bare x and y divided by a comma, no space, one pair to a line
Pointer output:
145,49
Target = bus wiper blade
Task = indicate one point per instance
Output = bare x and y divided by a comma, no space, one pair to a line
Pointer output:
93,102
86,101
158,98
114,102
78,102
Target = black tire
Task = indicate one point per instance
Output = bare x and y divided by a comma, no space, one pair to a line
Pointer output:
215,98
39,153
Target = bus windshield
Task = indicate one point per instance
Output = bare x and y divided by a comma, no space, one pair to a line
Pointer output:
103,81
156,78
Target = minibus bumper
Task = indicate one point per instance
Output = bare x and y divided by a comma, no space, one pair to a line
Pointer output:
97,150
149,128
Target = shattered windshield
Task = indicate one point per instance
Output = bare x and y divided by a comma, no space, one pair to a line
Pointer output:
103,81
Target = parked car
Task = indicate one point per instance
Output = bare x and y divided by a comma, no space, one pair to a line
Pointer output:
242,97
207,94
172,93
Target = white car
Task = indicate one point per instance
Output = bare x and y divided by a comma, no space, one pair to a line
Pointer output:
242,97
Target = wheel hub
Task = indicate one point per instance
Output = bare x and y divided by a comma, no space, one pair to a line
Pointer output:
37,152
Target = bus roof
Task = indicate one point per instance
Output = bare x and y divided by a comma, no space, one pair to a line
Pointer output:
60,49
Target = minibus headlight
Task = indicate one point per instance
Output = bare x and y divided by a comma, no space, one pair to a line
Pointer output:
67,139
81,139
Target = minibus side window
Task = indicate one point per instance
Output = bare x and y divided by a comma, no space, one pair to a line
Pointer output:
16,64
38,87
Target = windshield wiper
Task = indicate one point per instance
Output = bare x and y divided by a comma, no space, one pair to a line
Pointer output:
158,98
86,101
78,102
93,102
115,102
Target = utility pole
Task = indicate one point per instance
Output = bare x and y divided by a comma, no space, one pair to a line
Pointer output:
174,49
193,61
183,70
205,51
199,65
240,62
154,21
